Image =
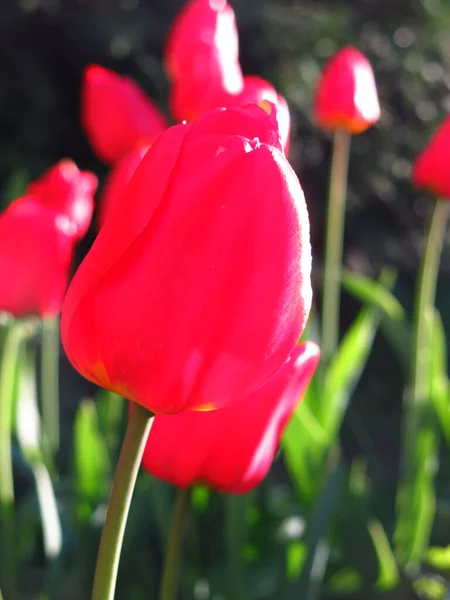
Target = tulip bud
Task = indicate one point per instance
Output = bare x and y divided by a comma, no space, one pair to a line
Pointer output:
36,247
116,114
346,96
197,287
118,177
201,57
209,22
231,449
68,191
431,168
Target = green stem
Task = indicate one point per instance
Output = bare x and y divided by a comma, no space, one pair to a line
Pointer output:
50,382
334,245
8,366
139,424
419,435
169,580
425,297
235,531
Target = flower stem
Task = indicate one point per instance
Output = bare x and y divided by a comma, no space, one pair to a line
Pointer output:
334,244
425,297
139,424
169,580
50,382
10,355
235,532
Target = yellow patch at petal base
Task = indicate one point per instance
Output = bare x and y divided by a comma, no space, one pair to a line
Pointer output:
206,407
266,106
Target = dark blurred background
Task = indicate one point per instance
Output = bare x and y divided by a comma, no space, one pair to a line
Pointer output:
45,45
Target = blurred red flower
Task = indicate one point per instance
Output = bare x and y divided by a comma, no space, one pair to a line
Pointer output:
197,287
431,168
346,95
36,247
231,449
201,57
68,191
116,114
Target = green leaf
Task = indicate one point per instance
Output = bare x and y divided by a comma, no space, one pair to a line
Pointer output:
304,445
92,467
308,586
373,293
346,369
394,323
416,500
439,383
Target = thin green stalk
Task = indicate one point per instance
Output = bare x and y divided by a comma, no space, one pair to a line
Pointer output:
416,501
425,297
169,580
8,365
50,382
235,509
139,424
334,245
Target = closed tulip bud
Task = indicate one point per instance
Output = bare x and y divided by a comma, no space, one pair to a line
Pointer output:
346,96
209,22
431,168
118,177
116,114
231,449
68,191
36,248
197,287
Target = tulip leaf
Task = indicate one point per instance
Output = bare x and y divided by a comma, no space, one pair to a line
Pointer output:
29,435
349,361
416,498
92,467
309,584
346,368
394,324
439,383
373,293
304,444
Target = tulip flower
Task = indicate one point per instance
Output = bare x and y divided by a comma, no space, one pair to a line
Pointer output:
431,168
68,191
203,29
346,103
118,177
116,114
197,287
201,57
36,247
231,449
346,97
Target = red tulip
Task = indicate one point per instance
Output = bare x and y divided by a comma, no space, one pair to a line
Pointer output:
201,57
36,247
210,23
116,114
346,96
68,191
431,168
119,176
197,287
231,449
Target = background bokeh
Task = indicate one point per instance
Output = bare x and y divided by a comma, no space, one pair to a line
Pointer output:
44,47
